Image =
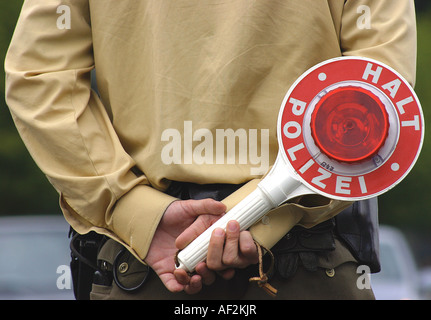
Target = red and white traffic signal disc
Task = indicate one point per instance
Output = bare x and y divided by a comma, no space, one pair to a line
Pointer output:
350,128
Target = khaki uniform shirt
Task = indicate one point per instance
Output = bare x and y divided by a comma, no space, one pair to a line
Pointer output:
176,80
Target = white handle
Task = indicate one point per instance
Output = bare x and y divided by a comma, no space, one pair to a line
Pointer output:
273,190
246,212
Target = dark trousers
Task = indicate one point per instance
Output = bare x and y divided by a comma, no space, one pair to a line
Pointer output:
320,284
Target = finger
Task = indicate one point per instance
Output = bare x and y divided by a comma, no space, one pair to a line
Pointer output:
248,247
195,208
194,286
227,274
171,282
230,252
190,285
208,276
181,276
215,250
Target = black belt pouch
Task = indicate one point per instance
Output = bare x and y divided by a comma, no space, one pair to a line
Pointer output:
358,227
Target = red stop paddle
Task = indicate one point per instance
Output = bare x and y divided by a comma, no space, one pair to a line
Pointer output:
349,128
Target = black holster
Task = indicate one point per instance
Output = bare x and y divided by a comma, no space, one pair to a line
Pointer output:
302,245
358,227
83,264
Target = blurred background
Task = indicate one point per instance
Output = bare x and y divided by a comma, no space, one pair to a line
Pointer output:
25,191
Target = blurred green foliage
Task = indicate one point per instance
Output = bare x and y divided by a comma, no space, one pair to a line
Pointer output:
407,205
24,189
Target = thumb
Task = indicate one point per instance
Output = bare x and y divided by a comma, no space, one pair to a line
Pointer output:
194,208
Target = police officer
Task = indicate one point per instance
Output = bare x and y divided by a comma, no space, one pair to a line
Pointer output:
220,65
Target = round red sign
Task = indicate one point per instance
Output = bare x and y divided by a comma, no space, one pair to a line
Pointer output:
350,128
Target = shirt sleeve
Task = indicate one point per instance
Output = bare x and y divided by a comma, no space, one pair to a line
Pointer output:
67,129
382,31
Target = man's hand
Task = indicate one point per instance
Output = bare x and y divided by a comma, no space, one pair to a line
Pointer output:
194,216
231,249
227,251
182,222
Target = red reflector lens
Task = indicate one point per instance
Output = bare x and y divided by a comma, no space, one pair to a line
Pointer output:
349,124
